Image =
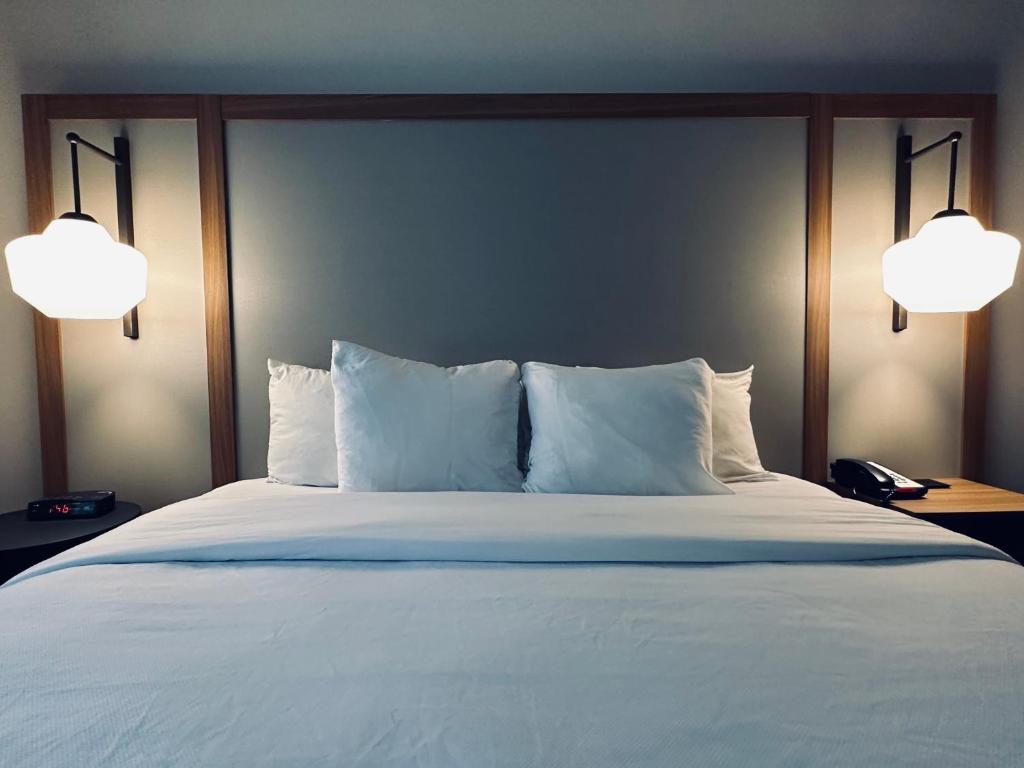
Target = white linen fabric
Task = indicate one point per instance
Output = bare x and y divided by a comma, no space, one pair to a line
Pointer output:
275,625
301,449
402,425
782,486
735,450
633,431
520,528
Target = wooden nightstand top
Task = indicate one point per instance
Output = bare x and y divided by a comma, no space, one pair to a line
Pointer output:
963,496
18,532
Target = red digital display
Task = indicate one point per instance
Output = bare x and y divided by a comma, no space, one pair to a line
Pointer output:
85,504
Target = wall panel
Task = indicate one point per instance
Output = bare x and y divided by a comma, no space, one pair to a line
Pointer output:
612,242
137,413
894,397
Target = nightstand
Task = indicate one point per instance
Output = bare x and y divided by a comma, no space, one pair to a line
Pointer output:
980,511
24,542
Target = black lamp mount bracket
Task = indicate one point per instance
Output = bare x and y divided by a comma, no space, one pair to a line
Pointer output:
121,158
905,156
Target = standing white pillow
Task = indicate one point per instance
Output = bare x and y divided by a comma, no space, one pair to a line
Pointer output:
402,425
633,431
301,449
735,451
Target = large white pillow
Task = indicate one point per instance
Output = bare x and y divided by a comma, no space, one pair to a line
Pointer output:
636,431
735,451
301,449
401,425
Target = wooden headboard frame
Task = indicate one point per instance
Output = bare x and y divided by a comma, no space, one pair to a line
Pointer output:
211,111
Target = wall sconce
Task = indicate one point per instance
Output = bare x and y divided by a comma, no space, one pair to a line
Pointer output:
74,269
952,264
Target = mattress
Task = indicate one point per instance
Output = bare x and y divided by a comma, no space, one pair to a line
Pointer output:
270,625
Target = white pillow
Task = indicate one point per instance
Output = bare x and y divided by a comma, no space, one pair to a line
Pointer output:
636,431
735,452
409,426
301,450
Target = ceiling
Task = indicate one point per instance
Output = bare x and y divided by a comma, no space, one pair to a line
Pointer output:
509,45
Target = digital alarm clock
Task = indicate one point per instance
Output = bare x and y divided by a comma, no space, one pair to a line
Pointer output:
72,505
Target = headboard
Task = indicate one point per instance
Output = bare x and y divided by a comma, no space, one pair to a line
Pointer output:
606,229
596,242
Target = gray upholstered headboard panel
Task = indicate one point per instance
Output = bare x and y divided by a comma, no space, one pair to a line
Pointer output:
607,242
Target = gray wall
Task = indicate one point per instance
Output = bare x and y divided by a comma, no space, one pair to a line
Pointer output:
894,397
448,45
1005,450
20,478
611,242
137,413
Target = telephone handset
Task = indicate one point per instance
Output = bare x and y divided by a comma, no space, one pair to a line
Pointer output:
871,479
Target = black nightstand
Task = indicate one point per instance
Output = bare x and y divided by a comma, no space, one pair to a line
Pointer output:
983,512
24,542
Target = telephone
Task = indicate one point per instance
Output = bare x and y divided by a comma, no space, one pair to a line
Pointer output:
868,478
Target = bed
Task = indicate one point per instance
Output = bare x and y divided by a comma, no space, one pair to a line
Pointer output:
263,624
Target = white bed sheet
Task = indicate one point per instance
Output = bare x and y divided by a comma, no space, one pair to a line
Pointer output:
772,485
272,625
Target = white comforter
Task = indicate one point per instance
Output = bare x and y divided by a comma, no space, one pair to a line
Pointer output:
267,626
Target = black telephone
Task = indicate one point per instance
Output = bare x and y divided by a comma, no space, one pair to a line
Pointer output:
868,478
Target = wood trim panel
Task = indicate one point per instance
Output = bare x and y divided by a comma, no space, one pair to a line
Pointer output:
905,105
976,324
53,441
819,269
217,290
508,106
120,106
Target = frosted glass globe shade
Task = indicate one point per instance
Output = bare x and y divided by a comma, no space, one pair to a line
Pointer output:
75,269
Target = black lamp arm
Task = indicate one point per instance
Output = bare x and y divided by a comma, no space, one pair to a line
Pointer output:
953,140
74,140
